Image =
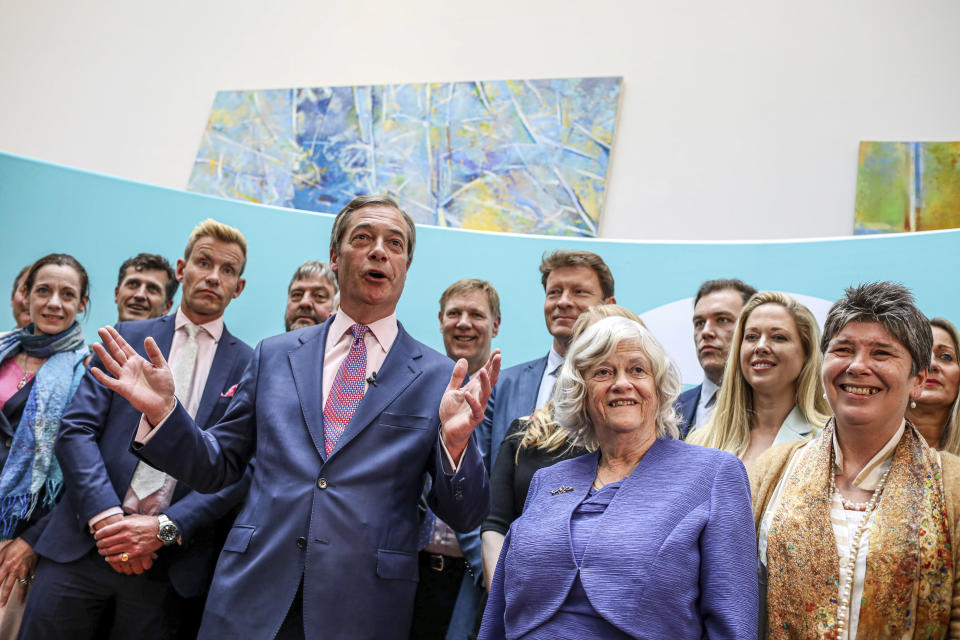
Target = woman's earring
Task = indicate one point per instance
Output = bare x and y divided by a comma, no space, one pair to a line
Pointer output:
824,395
913,404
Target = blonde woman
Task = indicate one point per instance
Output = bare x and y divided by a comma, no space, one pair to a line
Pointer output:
531,443
936,413
771,391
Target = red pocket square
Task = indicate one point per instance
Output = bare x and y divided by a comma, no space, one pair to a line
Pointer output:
229,394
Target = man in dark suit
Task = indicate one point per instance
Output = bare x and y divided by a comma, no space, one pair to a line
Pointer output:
160,536
343,419
145,288
715,310
573,281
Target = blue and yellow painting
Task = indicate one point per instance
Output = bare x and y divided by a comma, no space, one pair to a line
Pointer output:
525,156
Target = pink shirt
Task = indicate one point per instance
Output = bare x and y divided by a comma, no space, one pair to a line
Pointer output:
10,376
378,340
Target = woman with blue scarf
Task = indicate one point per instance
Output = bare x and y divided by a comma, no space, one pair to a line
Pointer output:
40,368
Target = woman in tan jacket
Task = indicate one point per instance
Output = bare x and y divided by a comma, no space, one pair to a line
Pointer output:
857,528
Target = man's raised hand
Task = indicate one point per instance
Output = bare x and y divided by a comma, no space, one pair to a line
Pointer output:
461,410
148,386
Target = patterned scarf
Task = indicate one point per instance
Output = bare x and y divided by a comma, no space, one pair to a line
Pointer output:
908,584
31,474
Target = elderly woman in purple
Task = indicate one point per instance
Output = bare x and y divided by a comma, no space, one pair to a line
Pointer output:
646,537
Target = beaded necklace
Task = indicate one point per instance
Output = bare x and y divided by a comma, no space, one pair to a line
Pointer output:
846,590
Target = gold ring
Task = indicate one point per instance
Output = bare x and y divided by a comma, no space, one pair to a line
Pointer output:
124,557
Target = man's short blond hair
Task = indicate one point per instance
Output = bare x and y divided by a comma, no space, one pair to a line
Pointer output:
219,231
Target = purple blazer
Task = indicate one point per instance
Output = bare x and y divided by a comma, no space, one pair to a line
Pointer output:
673,556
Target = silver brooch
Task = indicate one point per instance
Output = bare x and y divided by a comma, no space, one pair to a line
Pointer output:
560,490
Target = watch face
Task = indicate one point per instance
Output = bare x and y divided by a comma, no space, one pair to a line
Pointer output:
168,533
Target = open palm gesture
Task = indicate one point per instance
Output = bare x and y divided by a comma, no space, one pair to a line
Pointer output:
461,410
147,385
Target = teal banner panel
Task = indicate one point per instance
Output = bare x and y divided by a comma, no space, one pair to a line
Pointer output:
103,220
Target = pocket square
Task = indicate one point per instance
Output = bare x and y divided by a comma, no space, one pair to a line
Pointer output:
229,392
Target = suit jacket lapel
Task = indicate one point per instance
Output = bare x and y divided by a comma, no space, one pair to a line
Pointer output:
223,360
398,371
535,371
164,334
306,364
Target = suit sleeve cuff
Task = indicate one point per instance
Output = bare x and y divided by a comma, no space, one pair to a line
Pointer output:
145,432
112,511
449,466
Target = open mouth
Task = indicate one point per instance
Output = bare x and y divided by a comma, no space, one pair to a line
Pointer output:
137,307
376,275
859,391
50,318
622,403
760,365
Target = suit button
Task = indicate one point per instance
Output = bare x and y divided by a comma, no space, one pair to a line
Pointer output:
302,542
322,483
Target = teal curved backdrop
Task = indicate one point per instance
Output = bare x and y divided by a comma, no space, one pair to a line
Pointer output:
104,220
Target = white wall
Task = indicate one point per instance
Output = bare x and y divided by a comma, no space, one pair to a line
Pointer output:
739,119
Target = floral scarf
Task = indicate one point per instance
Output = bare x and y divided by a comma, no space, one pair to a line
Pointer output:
908,585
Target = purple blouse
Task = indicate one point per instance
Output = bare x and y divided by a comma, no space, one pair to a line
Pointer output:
577,618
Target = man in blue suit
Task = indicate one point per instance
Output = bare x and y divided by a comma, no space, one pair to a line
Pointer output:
715,310
161,535
573,281
343,420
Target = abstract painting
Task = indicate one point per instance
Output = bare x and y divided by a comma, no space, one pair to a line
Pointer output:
907,186
526,156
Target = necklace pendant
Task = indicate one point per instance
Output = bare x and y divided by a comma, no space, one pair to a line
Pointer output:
23,382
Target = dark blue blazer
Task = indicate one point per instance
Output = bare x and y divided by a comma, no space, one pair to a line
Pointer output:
673,556
346,524
514,396
686,406
93,449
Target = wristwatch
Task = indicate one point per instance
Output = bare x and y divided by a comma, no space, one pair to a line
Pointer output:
167,532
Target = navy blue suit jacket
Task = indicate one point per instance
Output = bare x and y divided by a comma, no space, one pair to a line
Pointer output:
93,449
686,406
514,396
673,555
346,524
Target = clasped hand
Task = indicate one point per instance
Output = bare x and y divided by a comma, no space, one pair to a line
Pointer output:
461,409
134,535
147,385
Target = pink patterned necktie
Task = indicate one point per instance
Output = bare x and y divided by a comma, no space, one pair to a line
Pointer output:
347,390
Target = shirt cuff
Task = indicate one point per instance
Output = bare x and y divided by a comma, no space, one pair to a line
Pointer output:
450,466
112,511
145,431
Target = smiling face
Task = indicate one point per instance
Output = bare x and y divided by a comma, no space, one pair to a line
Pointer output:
771,353
622,394
371,263
210,278
55,300
19,304
468,327
570,292
866,374
142,294
309,302
940,387
714,321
